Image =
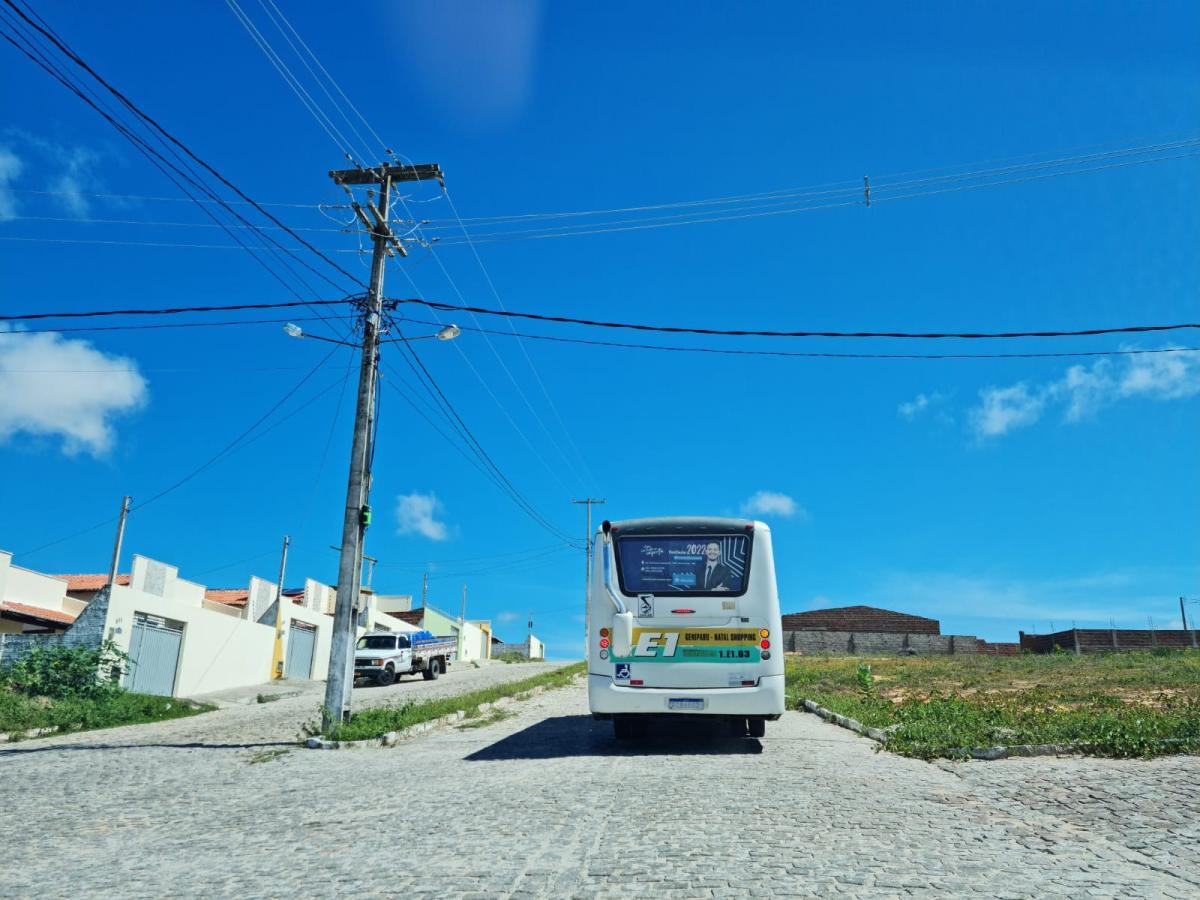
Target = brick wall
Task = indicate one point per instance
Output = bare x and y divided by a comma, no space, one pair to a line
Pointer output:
860,619
858,643
87,631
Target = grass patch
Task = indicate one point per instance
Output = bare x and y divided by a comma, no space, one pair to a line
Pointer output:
1119,704
514,658
268,698
379,720
496,715
263,756
20,712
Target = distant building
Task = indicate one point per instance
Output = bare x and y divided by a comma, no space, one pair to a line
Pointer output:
860,619
474,636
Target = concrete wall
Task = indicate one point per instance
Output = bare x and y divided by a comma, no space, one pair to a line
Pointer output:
88,631
390,603
1109,640
530,649
863,643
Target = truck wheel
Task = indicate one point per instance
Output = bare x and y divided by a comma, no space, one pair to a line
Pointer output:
386,676
622,728
757,727
434,670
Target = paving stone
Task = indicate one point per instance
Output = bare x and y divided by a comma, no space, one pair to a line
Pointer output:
546,804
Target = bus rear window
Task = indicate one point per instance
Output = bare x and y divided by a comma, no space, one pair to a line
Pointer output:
708,564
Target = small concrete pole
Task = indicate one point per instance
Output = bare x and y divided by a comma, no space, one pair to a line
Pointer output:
116,557
277,654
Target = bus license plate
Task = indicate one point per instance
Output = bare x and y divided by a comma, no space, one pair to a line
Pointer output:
685,703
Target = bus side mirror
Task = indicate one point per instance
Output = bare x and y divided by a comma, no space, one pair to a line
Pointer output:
622,636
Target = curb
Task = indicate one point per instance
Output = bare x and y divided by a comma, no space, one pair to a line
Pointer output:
394,737
31,733
880,736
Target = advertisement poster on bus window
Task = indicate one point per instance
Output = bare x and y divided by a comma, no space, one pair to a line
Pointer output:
699,565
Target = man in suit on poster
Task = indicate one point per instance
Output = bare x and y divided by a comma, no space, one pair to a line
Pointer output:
712,574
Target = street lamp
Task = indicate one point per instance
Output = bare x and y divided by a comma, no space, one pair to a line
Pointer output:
448,333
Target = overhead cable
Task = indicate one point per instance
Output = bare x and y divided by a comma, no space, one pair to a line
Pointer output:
730,332
154,124
814,355
160,311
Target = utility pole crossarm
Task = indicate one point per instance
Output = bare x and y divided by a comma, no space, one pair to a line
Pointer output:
420,172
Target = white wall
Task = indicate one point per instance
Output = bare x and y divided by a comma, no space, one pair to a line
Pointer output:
219,651
19,585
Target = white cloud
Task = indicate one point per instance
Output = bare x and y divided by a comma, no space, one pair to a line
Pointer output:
1001,410
919,405
417,514
773,503
10,168
1165,376
508,617
1083,391
53,386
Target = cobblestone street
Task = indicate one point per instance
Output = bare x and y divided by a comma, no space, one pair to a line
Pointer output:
545,804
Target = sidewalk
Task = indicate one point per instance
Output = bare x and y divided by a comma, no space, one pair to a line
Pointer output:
240,720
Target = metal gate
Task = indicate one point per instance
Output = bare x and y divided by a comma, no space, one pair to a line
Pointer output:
154,655
302,641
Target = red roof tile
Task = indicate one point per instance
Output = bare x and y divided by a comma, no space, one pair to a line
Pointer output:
38,612
235,597
89,582
411,616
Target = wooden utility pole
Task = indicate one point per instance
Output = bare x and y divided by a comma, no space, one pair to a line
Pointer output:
358,511
116,557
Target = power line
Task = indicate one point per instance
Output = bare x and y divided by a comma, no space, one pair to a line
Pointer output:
150,121
293,82
165,166
232,445
674,329
168,311
853,192
847,186
778,209
528,360
225,324
78,220
456,421
814,355
488,388
154,199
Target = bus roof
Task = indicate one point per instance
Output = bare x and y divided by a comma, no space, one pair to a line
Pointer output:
687,525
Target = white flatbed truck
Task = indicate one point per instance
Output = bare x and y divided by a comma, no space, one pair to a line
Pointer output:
384,656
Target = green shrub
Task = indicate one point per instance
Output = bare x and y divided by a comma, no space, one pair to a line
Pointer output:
68,672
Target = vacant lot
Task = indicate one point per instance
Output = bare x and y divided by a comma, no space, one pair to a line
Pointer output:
1120,704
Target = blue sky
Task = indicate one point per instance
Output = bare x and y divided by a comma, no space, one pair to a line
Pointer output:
995,495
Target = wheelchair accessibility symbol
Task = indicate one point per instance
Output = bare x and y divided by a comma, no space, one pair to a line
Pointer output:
622,672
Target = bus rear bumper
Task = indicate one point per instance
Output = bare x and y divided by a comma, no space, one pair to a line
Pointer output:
764,699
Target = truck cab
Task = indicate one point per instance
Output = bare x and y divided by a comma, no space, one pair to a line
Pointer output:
382,657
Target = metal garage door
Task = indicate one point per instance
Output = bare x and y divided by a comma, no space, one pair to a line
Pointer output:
302,641
154,655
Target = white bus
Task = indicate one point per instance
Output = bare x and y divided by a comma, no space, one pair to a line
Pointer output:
683,619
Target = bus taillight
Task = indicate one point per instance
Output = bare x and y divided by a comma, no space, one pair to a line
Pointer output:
604,633
603,643
764,643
